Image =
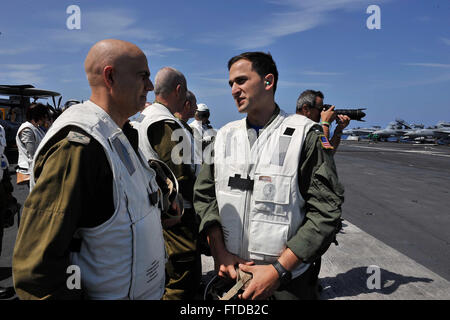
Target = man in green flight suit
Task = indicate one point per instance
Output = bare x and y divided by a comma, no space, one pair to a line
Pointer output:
159,134
268,205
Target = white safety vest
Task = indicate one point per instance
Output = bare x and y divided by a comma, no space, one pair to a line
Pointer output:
23,161
124,257
158,112
205,133
257,190
200,135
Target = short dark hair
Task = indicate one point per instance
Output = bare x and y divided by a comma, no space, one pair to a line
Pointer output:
203,114
319,94
190,96
308,97
37,111
262,63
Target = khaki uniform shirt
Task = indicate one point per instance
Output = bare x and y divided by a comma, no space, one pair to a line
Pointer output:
159,135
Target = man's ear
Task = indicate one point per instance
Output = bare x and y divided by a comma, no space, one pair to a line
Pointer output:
187,106
178,90
108,77
269,80
305,109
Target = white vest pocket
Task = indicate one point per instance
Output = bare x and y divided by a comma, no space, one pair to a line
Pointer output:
267,237
271,194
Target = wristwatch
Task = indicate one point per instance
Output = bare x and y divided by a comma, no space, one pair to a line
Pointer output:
284,275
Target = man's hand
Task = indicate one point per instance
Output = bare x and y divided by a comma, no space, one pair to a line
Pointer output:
226,262
263,284
176,210
342,121
328,115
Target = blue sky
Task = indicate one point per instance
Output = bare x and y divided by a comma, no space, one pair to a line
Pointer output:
399,71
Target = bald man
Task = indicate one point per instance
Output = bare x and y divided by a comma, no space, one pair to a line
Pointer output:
162,133
91,225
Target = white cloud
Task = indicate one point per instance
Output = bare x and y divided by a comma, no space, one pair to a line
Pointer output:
424,19
446,41
319,73
296,16
159,50
431,65
21,77
23,67
223,81
294,84
114,23
14,51
202,92
103,24
21,73
423,82
211,72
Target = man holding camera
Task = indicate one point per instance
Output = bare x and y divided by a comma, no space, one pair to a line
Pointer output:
310,104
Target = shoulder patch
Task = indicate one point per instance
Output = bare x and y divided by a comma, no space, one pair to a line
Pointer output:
78,137
325,143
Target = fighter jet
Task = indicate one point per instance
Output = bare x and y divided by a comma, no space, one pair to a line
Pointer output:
440,131
360,132
393,129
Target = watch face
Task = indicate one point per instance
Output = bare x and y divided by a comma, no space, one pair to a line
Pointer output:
285,278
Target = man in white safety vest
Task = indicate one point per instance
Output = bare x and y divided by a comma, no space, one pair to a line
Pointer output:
271,200
91,226
162,135
202,125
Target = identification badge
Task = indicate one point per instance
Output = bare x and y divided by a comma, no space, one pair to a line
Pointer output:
325,143
269,191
